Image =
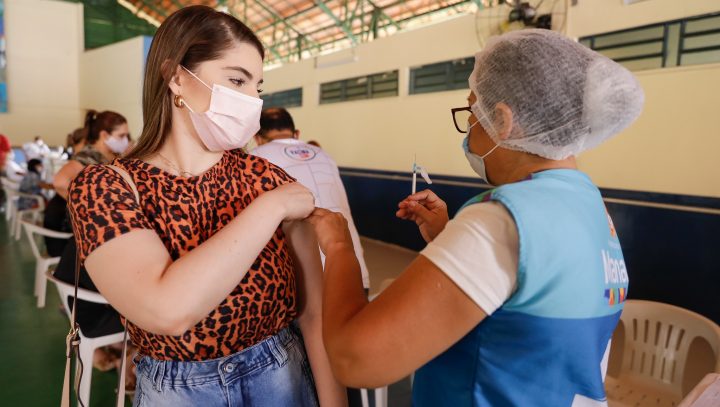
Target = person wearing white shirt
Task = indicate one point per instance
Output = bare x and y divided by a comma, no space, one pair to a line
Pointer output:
13,171
312,167
514,301
36,149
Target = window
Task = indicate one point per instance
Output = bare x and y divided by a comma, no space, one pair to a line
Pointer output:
441,76
690,41
287,98
373,86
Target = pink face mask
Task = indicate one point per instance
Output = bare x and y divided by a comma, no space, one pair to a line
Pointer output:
232,119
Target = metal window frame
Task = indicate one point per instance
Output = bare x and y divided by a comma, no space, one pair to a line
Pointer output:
682,35
285,98
449,75
369,82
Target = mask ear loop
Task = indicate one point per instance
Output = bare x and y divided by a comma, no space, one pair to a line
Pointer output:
467,147
181,100
491,150
196,77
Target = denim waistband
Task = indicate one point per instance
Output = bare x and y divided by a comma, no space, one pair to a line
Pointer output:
269,351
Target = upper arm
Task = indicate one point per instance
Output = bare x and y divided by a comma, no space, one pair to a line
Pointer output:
308,268
419,316
465,274
125,269
61,180
123,254
479,251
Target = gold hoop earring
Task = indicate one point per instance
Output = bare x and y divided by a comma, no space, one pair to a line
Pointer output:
178,101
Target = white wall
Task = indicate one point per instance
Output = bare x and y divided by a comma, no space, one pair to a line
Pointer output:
44,43
674,145
671,148
385,133
598,16
111,79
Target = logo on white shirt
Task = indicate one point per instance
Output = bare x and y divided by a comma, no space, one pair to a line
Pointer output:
300,153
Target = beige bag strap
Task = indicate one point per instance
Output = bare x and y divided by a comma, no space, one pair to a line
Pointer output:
73,337
121,373
125,176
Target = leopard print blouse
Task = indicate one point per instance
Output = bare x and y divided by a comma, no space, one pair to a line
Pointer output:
185,212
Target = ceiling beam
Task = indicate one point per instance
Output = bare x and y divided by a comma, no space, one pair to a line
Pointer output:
282,19
344,27
386,25
299,13
384,14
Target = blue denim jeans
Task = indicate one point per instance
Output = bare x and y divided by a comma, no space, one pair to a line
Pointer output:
273,372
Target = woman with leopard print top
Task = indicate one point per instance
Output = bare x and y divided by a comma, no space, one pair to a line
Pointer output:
212,267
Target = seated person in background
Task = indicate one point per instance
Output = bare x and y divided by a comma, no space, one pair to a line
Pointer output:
13,171
94,319
278,143
36,149
4,150
107,137
32,183
75,141
104,136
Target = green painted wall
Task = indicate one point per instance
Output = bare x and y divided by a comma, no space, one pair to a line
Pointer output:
107,22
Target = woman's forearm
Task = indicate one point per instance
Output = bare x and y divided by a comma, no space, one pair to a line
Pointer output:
330,392
222,261
309,276
343,298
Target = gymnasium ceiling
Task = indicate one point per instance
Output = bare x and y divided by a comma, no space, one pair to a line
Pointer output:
290,29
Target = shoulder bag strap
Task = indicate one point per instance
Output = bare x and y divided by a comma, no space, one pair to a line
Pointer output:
72,341
120,402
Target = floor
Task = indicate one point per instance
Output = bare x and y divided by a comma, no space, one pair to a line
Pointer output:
32,340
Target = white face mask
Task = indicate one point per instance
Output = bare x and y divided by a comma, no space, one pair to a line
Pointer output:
117,145
231,121
477,162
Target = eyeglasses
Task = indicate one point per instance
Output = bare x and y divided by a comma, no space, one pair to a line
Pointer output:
461,118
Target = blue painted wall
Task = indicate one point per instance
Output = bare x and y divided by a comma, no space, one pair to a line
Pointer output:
672,255
147,42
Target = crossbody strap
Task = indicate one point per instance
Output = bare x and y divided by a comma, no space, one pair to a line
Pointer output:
72,341
120,402
128,179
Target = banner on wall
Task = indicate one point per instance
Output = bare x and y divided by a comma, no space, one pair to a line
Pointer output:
3,62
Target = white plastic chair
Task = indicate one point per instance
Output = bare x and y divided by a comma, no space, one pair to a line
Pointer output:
87,345
33,214
659,353
42,262
11,189
14,215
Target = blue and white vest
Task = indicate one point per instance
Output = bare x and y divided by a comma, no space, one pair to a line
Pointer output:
547,345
